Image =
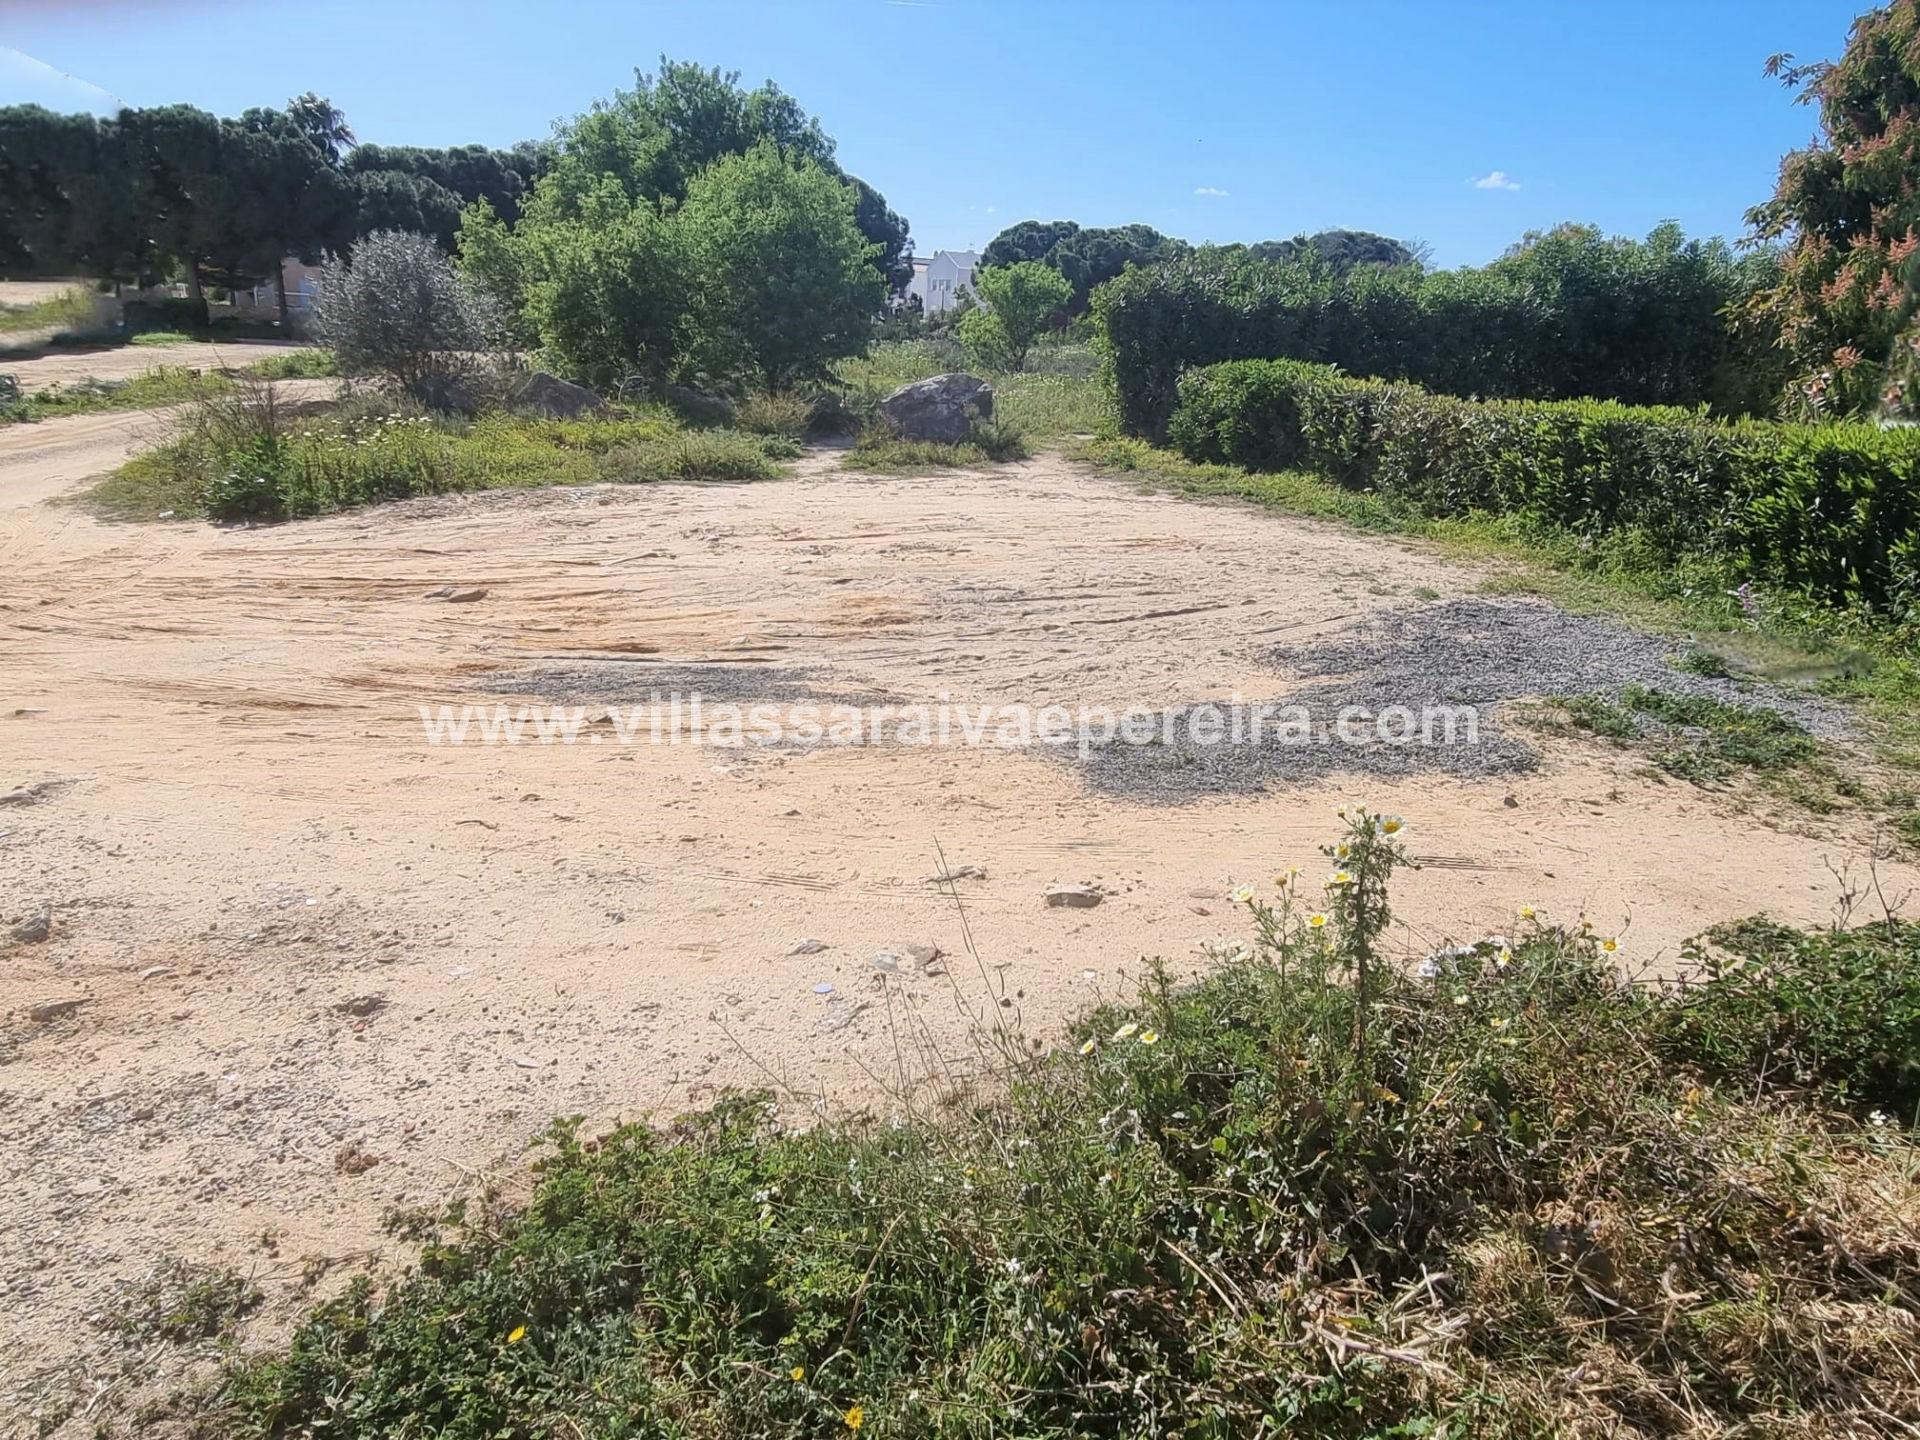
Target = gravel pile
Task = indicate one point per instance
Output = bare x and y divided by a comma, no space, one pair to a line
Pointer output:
1478,653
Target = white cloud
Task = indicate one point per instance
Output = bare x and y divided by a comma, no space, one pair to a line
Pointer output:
1211,190
1494,180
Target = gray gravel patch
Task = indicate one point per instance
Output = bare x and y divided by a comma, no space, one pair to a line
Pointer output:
609,682
1465,653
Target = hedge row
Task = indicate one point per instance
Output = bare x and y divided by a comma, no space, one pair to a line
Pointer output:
1573,314
1831,509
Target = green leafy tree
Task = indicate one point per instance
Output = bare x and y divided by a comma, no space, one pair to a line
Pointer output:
395,200
785,279
1341,249
1027,240
1021,301
609,294
1849,208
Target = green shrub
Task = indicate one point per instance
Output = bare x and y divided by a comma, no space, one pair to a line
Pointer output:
1310,1194
1832,510
1567,313
1835,1012
776,413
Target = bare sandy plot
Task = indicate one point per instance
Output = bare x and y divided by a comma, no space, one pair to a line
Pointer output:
68,364
325,968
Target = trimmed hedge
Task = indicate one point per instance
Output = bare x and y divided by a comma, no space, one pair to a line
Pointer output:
1570,314
1832,509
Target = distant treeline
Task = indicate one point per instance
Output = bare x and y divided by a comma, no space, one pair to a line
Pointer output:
1089,256
175,192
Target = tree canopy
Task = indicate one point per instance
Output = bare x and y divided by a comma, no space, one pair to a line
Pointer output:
1849,210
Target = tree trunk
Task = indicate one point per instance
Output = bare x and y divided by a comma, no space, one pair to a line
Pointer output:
280,290
194,291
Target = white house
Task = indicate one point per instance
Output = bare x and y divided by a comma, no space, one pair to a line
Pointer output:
940,281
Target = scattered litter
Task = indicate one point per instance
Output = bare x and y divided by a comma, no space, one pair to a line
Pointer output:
154,972
959,872
842,1014
808,947
524,1063
36,928
888,961
825,987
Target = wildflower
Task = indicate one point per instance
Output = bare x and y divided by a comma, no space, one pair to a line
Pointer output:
1609,945
855,1418
1879,1119
1460,997
1504,958
798,1373
1243,894
516,1335
1342,850
1316,921
1499,1022
1527,912
1390,824
1586,926
1340,811
1088,1048
1124,1031
1149,1037
1339,878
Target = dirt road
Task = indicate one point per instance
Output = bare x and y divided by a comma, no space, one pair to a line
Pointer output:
326,968
67,364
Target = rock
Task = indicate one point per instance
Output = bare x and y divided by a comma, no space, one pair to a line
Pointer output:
697,407
442,593
453,394
549,395
1074,897
467,597
360,1006
48,1011
942,407
808,947
35,928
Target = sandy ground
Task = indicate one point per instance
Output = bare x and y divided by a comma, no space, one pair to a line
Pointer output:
64,364
306,938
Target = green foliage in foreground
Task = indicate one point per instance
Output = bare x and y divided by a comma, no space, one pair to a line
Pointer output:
1831,510
245,456
1310,1195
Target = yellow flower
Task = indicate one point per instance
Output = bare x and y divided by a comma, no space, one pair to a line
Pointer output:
855,1418
1339,877
1342,851
1243,894
1391,825
1609,945
1088,1048
1504,958
1499,1022
1124,1031
1460,997
798,1372
1527,912
1316,921
516,1335
1149,1037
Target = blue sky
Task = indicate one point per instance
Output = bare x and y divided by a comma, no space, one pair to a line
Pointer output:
1212,121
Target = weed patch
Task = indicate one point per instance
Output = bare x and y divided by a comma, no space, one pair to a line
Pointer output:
182,1302
1311,1194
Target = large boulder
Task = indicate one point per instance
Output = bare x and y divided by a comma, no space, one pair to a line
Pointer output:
942,407
549,395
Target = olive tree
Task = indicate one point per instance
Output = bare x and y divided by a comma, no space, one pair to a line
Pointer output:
401,312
